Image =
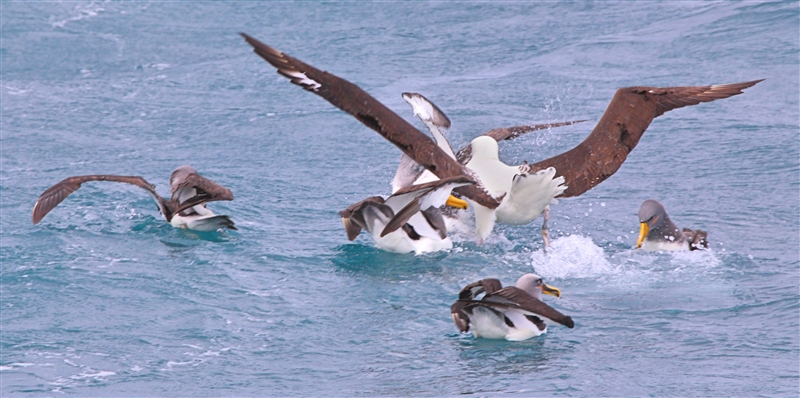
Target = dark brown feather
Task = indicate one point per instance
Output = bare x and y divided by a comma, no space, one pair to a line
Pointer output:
697,238
467,295
514,297
56,194
488,286
353,217
207,191
355,101
627,117
401,217
433,215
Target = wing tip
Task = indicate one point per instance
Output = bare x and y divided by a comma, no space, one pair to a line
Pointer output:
35,217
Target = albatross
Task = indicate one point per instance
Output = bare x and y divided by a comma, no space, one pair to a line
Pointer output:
425,229
529,195
583,167
513,313
407,221
186,207
658,232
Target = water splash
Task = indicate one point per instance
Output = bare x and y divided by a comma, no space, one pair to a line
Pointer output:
573,256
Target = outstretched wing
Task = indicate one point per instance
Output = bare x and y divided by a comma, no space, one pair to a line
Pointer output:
355,101
509,133
622,125
56,194
207,191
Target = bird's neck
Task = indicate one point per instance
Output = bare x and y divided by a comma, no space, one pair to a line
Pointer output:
666,230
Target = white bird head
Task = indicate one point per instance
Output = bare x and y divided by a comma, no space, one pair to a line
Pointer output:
484,147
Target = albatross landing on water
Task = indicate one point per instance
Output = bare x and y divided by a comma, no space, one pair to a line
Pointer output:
513,313
591,162
529,195
658,232
407,221
425,230
186,207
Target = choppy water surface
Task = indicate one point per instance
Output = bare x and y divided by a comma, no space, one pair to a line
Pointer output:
105,299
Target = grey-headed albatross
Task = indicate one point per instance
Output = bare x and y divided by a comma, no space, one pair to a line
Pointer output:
186,207
513,313
591,162
658,232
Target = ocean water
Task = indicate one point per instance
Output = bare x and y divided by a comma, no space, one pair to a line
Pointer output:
103,298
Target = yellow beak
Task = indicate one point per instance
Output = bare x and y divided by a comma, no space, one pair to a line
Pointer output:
643,231
553,291
453,201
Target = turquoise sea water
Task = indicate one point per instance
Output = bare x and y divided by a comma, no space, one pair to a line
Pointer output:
103,298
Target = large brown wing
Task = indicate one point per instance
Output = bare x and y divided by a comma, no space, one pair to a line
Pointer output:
207,191
509,133
355,101
56,194
619,130
514,297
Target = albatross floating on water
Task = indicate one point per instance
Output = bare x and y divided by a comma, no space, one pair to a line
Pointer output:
514,313
588,164
407,221
186,207
658,232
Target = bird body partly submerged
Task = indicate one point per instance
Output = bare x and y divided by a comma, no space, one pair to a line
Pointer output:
513,313
658,232
407,221
186,207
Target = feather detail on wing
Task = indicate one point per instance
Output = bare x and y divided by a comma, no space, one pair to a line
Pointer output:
355,101
513,297
54,195
466,297
206,191
625,120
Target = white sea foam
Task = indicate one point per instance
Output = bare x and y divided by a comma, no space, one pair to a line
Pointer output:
16,365
572,256
78,13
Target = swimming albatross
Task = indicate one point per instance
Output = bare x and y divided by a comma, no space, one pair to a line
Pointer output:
591,162
186,207
658,232
408,220
514,313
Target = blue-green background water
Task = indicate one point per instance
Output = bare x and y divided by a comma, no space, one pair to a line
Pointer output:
105,299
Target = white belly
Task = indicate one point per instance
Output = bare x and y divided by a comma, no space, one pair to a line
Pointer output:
652,246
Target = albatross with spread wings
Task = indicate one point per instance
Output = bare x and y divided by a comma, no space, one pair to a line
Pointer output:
186,207
591,162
